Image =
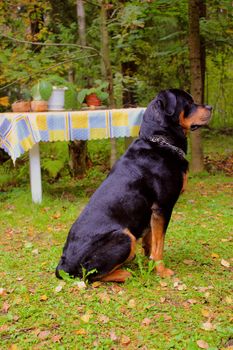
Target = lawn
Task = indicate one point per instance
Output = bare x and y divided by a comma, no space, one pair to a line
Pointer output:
192,310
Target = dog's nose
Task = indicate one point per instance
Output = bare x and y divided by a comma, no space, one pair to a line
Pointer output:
209,108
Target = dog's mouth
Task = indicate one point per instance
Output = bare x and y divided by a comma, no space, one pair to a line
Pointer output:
194,127
204,121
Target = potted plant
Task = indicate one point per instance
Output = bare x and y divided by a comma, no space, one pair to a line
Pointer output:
41,93
58,93
95,95
23,103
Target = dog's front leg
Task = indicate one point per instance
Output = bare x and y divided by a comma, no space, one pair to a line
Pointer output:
158,225
185,181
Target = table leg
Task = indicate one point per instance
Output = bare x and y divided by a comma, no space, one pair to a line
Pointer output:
35,174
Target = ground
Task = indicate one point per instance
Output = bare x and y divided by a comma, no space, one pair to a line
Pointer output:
192,310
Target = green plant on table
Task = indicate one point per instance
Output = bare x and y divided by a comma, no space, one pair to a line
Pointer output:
99,89
43,89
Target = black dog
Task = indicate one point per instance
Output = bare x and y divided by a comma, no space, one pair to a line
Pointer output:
137,197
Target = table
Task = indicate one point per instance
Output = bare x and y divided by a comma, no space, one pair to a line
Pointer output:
21,132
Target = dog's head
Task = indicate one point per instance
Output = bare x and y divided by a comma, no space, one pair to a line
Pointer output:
174,108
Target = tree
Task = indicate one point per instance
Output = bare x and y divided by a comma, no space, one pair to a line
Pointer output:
78,148
107,68
197,77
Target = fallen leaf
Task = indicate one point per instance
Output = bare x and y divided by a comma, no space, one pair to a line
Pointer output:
43,297
203,289
56,215
80,331
192,301
104,297
36,331
80,285
202,344
113,336
163,284
104,319
15,318
18,300
2,292
207,295
4,328
226,239
205,313
56,338
96,284
125,340
188,262
13,347
182,287
229,300
225,263
5,307
20,279
28,245
208,326
59,288
146,321
43,335
132,303
214,255
162,300
167,317
85,318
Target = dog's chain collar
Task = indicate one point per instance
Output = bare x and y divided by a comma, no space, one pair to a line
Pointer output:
161,141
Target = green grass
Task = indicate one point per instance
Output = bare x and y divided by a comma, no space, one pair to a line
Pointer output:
40,312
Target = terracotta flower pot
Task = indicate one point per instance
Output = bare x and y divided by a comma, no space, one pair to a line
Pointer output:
21,106
93,100
39,106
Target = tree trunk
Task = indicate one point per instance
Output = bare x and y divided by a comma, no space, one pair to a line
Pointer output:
107,69
78,149
197,76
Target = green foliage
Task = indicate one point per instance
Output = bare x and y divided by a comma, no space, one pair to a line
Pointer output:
98,89
54,159
70,98
148,47
53,166
42,90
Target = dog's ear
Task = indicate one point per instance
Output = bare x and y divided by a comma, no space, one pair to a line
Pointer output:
168,101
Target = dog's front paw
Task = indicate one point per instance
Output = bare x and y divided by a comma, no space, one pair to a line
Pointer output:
164,272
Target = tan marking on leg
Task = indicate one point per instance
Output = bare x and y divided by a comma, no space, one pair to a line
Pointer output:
185,181
146,242
133,244
116,276
157,242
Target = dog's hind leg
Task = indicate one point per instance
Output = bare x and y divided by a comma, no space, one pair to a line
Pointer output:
116,252
116,276
158,228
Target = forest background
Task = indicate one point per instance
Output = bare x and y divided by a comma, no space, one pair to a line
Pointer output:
139,47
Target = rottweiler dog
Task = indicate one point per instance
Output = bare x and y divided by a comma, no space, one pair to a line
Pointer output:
137,197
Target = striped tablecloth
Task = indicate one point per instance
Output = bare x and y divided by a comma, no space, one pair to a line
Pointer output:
20,132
